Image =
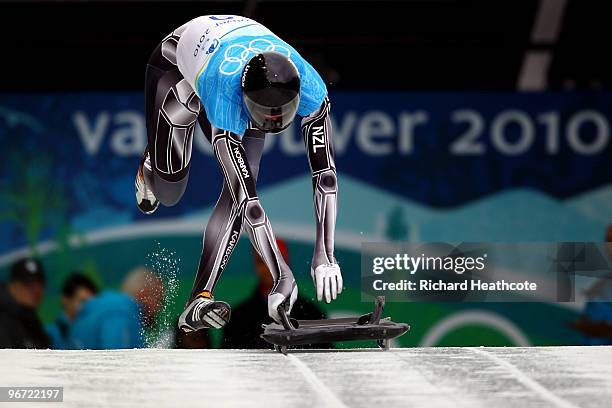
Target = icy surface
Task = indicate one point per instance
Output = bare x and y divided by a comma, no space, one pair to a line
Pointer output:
426,377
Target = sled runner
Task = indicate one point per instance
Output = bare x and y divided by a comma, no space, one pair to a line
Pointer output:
370,326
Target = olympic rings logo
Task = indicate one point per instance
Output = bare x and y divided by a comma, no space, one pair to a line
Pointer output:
236,55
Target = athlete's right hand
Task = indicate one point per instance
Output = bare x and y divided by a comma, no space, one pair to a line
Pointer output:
276,300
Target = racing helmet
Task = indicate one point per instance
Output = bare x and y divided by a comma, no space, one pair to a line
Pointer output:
270,91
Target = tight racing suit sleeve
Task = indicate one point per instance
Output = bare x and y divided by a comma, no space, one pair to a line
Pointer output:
317,131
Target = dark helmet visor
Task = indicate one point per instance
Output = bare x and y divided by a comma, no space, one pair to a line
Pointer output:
271,119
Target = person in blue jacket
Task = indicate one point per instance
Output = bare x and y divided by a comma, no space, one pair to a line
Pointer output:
116,320
240,82
76,290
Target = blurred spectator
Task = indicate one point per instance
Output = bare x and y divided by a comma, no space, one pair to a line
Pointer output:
115,320
20,326
244,327
609,241
77,289
595,324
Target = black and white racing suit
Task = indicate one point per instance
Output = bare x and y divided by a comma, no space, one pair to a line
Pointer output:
172,112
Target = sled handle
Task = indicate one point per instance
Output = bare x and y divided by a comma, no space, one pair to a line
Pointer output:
285,320
378,309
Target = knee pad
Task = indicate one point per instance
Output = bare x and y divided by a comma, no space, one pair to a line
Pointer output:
254,213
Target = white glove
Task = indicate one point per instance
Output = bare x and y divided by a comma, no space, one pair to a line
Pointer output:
327,279
276,299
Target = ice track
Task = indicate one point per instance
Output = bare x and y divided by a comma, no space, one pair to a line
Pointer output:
426,377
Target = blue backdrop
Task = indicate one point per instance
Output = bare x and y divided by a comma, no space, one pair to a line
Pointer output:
440,150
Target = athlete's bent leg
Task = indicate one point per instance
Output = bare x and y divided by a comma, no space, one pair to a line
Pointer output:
237,208
202,309
171,110
224,226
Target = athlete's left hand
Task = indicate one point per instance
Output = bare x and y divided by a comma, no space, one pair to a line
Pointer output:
327,278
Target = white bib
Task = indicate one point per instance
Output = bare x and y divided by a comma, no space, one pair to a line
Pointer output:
201,39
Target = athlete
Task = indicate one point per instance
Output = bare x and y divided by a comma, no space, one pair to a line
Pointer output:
238,81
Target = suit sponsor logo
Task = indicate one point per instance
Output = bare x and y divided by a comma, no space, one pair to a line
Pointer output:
241,163
230,247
